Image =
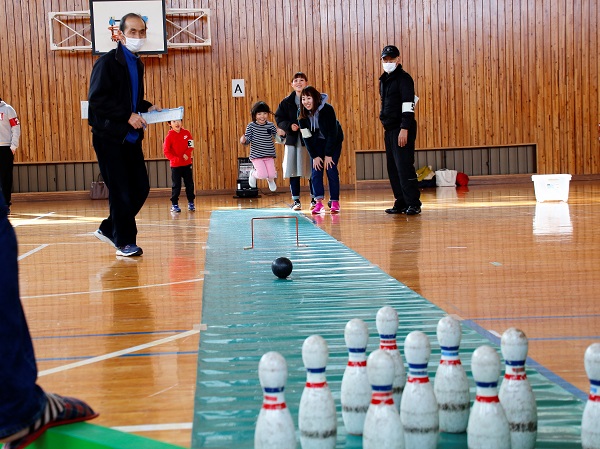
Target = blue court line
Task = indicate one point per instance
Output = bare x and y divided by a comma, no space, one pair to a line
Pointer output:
141,354
115,334
548,374
540,317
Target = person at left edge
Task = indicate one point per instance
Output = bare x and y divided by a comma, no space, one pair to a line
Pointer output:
116,97
10,131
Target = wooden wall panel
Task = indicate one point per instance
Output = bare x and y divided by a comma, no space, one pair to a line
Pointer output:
488,73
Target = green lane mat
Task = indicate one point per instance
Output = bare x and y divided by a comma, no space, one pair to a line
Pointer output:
89,436
248,311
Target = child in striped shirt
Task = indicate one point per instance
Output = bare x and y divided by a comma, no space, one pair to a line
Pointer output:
260,134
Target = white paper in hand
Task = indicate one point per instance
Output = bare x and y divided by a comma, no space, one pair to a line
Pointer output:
166,115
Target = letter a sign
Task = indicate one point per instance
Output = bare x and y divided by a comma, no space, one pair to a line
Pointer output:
237,88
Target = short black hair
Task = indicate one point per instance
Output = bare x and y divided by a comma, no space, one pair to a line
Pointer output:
300,75
129,16
259,106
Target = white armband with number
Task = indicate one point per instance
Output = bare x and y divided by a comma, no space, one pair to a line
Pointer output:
408,107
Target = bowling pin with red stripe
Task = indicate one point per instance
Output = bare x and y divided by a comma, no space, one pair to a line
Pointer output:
317,419
419,407
590,429
451,385
488,427
387,327
274,427
383,428
516,395
356,390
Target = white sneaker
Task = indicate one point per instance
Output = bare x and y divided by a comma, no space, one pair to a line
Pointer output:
252,179
272,185
104,238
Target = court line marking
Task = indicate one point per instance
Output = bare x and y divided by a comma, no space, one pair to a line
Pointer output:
33,251
89,292
154,427
112,355
27,220
541,369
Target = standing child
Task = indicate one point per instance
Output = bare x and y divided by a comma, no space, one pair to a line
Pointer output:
259,135
178,148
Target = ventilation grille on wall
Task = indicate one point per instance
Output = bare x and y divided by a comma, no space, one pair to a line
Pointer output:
77,176
371,165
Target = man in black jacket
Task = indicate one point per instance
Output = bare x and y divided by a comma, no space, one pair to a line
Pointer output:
116,97
397,115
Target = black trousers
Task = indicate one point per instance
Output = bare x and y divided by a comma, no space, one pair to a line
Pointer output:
124,171
6,172
177,173
401,168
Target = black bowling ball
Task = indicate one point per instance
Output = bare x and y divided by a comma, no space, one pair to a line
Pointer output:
282,267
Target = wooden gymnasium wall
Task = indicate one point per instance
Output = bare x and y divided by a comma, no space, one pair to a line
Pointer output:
488,73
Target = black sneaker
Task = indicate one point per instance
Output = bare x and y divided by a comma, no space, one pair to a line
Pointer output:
413,210
395,210
313,203
296,205
129,251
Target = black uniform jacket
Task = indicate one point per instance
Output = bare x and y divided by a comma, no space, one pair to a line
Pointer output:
396,88
110,96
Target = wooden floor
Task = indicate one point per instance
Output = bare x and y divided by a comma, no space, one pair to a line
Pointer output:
123,333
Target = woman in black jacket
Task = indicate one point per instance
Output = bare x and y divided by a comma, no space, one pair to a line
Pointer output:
323,137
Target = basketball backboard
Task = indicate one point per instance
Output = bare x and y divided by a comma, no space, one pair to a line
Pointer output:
106,17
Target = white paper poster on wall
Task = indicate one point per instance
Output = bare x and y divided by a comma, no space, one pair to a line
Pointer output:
106,17
237,88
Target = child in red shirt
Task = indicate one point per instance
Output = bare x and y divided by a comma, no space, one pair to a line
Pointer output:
178,148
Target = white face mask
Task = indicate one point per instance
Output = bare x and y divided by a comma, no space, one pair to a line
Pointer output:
389,67
134,45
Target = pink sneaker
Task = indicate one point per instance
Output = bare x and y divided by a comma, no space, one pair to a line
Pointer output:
335,207
318,208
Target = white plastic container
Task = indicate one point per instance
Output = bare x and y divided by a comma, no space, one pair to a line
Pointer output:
551,187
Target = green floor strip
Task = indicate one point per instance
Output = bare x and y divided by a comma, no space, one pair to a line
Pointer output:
90,436
248,312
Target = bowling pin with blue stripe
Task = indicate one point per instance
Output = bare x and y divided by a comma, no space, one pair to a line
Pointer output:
419,407
274,427
356,390
488,427
451,385
383,428
317,419
516,395
590,423
387,327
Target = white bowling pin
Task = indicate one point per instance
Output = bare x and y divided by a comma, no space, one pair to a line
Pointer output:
383,428
274,427
516,395
387,327
590,428
317,419
419,407
356,390
451,385
488,427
